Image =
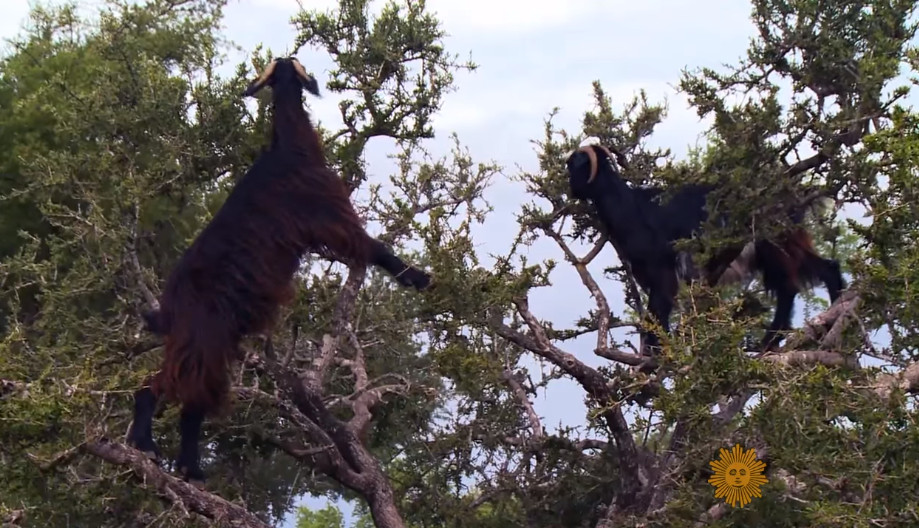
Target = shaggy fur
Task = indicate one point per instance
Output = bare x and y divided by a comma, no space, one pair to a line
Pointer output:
645,230
239,271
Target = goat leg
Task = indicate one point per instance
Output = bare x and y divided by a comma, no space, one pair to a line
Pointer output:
660,306
405,274
187,463
140,434
781,321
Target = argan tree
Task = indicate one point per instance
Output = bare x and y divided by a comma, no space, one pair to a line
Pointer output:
419,406
132,138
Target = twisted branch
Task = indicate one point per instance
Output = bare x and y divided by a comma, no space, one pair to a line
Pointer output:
180,493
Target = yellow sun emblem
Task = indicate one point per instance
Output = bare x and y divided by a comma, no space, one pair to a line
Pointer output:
738,476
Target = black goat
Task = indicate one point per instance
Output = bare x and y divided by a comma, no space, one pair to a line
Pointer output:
236,275
643,231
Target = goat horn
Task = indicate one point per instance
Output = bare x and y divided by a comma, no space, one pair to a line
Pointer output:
593,161
268,71
262,79
300,69
609,155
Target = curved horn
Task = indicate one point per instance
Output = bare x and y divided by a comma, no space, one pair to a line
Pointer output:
587,149
308,81
262,79
300,69
609,155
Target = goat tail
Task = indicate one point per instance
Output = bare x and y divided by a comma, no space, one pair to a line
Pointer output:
196,364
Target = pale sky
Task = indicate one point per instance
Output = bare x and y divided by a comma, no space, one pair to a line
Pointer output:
532,55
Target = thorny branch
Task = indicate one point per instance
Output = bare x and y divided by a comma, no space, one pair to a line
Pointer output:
603,317
524,400
12,519
183,494
581,266
134,261
593,382
342,317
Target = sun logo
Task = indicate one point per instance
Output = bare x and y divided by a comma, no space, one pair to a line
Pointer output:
738,476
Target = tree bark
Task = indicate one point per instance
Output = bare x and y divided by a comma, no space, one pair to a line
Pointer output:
182,494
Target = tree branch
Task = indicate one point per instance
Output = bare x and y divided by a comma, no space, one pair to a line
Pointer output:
906,380
593,382
134,261
581,266
521,395
359,470
799,358
179,492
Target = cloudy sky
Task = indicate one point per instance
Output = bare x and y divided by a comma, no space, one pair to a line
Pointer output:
533,55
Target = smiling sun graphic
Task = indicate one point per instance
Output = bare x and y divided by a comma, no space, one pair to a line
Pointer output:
738,476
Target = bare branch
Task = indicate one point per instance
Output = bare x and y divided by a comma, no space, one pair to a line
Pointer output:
594,251
181,493
797,358
341,322
617,355
593,382
906,380
63,457
521,395
820,326
316,376
134,261
588,280
366,401
322,457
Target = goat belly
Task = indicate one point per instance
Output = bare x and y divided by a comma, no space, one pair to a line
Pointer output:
685,267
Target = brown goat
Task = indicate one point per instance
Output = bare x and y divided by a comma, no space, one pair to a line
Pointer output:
239,271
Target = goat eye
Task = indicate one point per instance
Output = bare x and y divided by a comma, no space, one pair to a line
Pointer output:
577,162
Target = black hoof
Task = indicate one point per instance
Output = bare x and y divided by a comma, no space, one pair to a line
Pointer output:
771,343
648,364
145,445
192,475
415,278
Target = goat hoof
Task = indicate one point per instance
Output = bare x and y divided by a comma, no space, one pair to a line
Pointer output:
770,345
415,278
648,365
146,446
192,475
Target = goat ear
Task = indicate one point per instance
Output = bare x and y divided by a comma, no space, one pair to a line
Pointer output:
311,85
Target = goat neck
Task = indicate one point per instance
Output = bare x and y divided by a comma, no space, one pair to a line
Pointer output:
618,205
292,129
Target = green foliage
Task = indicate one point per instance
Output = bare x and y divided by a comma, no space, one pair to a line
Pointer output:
118,141
328,517
393,64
